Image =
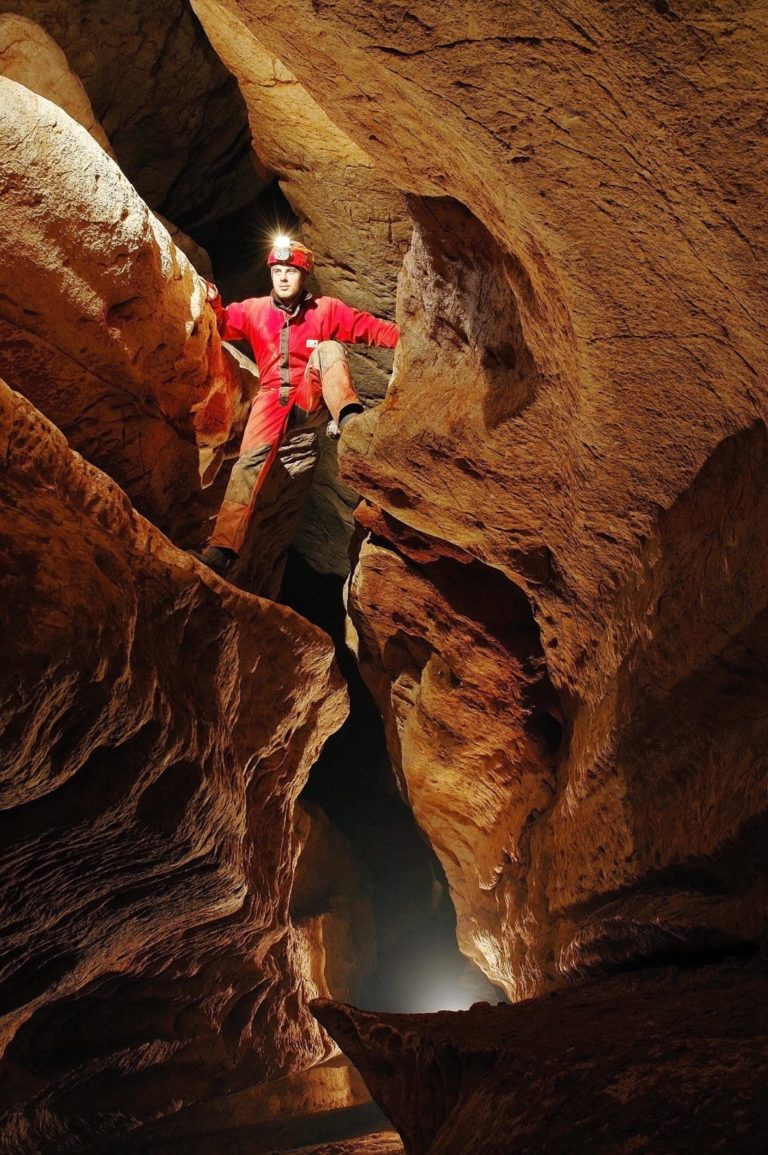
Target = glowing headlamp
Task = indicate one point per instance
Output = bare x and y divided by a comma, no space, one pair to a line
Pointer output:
282,248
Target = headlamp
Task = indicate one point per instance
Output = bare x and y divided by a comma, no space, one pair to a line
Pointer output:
282,248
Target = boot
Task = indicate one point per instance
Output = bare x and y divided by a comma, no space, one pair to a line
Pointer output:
348,415
217,558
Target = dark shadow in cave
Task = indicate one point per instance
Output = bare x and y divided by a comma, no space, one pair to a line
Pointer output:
419,965
238,244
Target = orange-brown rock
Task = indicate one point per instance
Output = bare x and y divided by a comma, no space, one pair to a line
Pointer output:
560,591
103,322
670,1061
579,408
157,728
31,57
331,908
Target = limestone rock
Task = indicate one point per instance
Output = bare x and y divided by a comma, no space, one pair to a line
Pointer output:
157,728
32,58
169,108
103,323
670,1061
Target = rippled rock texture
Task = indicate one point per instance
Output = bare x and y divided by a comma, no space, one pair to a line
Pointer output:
560,578
561,594
157,728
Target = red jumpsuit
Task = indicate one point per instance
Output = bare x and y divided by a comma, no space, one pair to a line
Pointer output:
301,380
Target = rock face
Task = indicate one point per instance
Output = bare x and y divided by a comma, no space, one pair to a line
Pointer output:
628,1064
31,57
157,728
560,592
577,422
103,322
166,103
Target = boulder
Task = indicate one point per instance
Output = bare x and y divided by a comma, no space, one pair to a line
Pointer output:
670,1061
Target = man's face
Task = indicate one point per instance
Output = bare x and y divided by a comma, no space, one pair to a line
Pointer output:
286,281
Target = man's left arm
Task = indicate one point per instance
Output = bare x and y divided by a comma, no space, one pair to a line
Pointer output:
354,327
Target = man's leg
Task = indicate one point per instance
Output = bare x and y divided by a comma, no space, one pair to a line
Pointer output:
280,507
328,380
261,438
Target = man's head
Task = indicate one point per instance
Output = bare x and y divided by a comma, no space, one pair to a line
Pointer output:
289,262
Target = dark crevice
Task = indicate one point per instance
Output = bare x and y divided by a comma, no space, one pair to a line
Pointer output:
238,244
353,783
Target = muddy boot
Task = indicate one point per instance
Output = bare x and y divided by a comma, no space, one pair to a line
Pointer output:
348,415
217,558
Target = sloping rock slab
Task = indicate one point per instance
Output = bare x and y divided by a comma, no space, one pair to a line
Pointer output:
653,1062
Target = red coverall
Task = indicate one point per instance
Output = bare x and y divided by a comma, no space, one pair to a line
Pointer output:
301,380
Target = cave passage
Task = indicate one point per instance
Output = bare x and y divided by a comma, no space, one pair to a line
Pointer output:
418,963
418,966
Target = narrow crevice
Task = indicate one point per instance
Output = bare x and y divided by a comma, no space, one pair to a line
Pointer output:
419,965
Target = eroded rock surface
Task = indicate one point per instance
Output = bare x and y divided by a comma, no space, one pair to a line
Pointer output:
579,412
103,322
560,589
673,1061
157,728
171,111
31,57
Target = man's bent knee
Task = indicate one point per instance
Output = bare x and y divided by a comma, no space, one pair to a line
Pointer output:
324,355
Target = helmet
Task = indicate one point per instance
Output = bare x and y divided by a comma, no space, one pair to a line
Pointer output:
285,251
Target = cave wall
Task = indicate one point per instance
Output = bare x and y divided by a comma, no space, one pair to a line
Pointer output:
172,112
103,322
157,728
583,317
629,1063
560,581
157,725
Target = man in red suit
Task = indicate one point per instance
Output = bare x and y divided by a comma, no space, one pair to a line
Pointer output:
303,379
